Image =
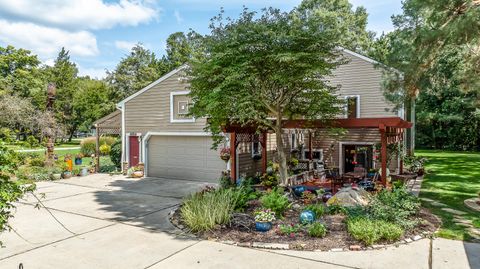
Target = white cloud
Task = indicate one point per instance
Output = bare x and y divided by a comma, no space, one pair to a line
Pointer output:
84,14
47,41
98,73
124,45
178,17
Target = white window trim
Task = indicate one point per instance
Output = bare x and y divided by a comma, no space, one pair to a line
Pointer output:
172,120
341,161
358,105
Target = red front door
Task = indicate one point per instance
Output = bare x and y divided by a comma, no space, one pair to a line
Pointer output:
134,150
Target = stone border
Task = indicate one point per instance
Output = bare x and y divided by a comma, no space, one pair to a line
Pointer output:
282,246
472,203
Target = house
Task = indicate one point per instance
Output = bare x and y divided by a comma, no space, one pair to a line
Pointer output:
157,131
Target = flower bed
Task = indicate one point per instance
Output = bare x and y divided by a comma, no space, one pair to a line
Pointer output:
335,227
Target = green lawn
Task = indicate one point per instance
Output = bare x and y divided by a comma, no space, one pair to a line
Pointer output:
451,178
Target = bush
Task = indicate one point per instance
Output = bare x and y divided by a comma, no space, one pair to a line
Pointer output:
38,161
276,201
32,141
116,153
319,209
336,209
105,149
397,206
289,229
202,211
317,230
371,231
87,146
244,194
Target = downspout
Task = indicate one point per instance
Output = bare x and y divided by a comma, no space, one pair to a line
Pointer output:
122,109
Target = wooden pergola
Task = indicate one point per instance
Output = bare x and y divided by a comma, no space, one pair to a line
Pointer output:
391,131
108,125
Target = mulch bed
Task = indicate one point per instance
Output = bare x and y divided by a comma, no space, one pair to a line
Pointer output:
336,237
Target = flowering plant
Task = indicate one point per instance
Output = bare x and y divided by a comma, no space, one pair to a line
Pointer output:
264,215
225,153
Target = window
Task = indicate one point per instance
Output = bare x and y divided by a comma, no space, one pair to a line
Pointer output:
293,142
179,107
256,149
352,107
183,107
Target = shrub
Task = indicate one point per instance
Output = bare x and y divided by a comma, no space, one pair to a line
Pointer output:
319,209
87,146
276,201
116,153
397,206
244,194
371,231
105,149
202,211
32,141
317,230
289,229
38,161
336,209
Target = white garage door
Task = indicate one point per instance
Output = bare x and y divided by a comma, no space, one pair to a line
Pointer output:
183,157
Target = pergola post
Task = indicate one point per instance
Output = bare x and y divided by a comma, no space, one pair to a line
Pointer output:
383,154
97,149
310,153
233,155
264,153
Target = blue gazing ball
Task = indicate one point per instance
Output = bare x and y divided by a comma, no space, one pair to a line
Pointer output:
307,217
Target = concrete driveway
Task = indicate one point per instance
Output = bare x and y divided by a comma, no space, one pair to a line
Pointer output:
115,222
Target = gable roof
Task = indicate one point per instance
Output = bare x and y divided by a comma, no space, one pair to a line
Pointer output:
173,72
151,85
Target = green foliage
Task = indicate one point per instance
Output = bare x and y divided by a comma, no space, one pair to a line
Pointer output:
397,206
318,209
371,231
289,229
276,201
266,65
336,209
116,153
264,215
105,149
244,194
88,145
269,180
10,191
317,229
202,211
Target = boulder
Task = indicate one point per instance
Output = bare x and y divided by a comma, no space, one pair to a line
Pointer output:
350,196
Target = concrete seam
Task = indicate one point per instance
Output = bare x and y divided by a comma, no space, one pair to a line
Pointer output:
57,241
175,253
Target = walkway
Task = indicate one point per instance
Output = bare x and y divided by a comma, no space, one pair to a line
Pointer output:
114,222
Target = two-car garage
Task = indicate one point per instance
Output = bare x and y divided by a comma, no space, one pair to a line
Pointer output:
183,157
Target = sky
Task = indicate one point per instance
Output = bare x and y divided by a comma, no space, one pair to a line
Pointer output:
98,33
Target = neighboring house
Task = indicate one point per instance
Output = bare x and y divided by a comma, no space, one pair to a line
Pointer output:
157,132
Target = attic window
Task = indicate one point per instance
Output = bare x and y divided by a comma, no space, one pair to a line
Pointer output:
352,109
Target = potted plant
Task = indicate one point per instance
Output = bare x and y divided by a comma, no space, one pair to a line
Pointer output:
78,159
263,220
137,171
225,154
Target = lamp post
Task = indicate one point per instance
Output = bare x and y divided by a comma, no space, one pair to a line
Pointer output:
51,91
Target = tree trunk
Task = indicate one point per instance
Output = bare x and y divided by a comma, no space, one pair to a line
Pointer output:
282,158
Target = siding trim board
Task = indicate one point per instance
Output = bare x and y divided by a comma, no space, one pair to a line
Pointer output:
151,85
172,112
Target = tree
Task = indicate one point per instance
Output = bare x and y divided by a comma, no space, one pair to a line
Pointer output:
64,74
350,25
178,49
91,102
135,71
427,28
275,65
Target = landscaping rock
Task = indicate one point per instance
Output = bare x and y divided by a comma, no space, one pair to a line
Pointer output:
378,246
350,197
336,249
472,203
408,240
453,211
355,247
270,245
416,237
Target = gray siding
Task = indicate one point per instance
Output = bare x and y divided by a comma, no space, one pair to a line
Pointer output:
359,77
150,111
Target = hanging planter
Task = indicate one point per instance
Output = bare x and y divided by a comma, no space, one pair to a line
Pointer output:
225,154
